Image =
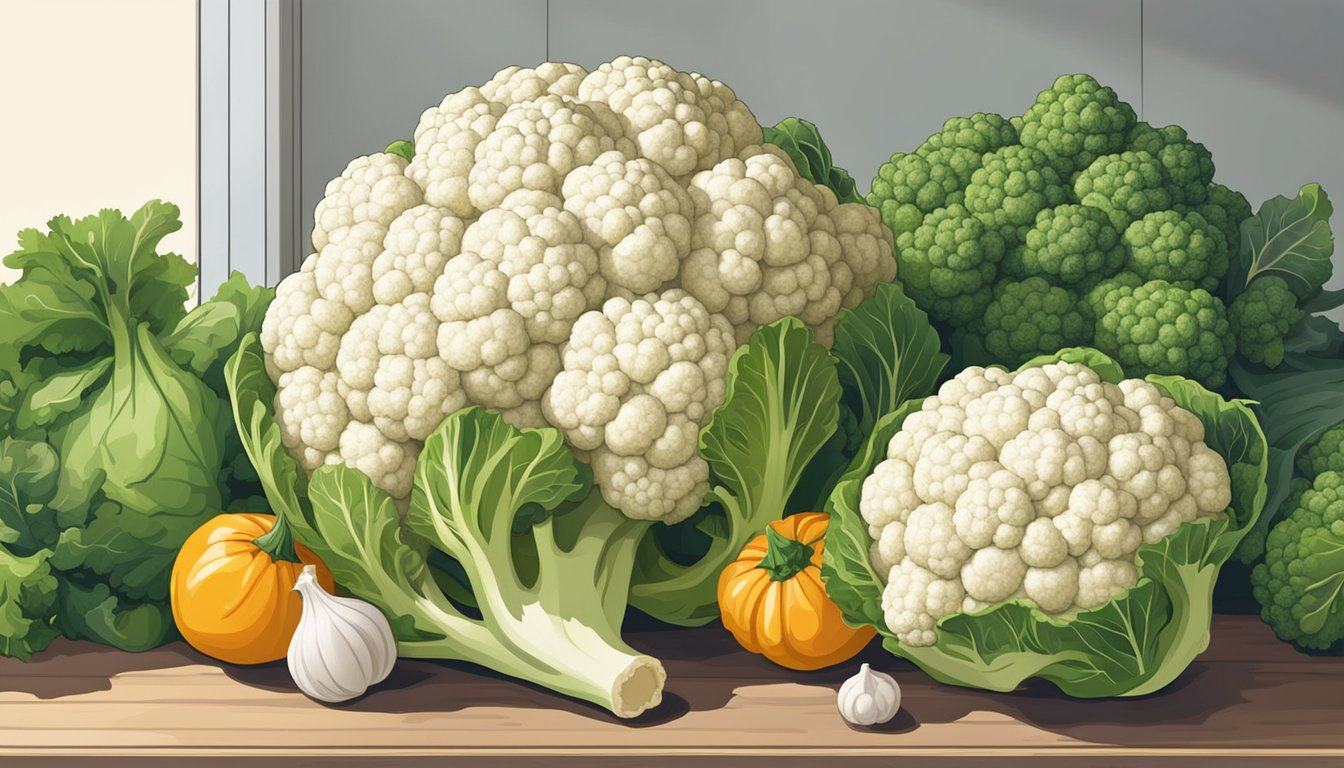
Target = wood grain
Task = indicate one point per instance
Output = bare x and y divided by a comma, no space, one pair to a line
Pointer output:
1248,699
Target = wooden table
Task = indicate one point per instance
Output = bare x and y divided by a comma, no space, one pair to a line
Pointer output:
1249,700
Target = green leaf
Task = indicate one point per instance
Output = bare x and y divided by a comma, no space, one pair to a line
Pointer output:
96,613
1295,402
27,603
476,473
1321,553
356,530
61,392
781,406
801,141
402,148
144,433
1289,237
887,352
28,475
252,394
1133,645
213,329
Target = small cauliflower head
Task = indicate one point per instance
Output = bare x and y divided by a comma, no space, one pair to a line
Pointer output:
1039,485
576,249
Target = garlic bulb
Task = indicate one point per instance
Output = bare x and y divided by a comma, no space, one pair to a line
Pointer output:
342,645
869,698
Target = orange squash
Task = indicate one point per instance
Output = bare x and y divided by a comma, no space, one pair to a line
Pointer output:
771,598
232,588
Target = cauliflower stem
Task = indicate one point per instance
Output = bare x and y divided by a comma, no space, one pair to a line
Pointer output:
547,560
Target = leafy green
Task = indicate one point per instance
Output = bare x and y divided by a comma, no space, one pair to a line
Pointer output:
887,352
402,148
1296,402
1289,237
116,444
1135,644
801,141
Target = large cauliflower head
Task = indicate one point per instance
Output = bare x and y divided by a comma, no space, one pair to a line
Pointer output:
583,250
1038,485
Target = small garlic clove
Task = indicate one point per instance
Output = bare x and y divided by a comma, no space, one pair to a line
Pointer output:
869,698
342,645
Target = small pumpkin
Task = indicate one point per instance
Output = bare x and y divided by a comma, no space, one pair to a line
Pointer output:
771,598
232,588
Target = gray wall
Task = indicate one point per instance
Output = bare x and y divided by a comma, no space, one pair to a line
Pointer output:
1260,82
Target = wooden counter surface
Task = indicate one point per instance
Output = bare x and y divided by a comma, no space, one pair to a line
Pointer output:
1249,700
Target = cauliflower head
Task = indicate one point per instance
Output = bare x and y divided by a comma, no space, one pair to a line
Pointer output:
577,249
1039,485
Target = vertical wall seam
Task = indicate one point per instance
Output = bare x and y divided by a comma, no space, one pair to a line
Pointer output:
265,149
200,217
1142,55
228,139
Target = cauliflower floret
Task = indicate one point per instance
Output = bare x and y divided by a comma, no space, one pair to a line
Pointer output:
993,509
371,189
418,244
640,215
1038,485
889,494
682,121
766,247
1053,588
931,540
992,574
615,365
533,146
311,414
915,599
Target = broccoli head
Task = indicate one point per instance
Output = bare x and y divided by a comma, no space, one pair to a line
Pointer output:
1226,209
948,264
1077,120
1178,248
1300,585
1161,327
1188,164
981,132
908,187
1260,317
1126,186
1010,187
1068,245
1325,455
1031,317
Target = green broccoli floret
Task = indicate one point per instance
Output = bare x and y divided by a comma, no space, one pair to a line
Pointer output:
1010,187
1261,316
1076,121
1160,327
1094,293
1030,318
1226,209
981,132
1178,248
1068,245
1300,585
1188,164
1126,186
948,264
1325,455
909,187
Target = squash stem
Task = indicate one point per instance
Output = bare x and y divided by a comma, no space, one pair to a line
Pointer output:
278,542
785,557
